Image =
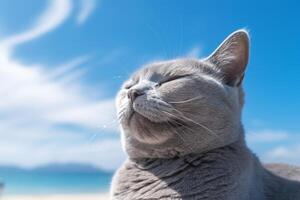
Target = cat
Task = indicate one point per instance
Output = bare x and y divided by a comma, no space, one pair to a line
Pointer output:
181,128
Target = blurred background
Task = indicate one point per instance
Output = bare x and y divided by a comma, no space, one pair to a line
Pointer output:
63,61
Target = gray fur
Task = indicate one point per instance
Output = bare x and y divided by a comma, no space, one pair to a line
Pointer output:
181,128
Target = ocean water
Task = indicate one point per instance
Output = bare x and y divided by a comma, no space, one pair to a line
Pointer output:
28,182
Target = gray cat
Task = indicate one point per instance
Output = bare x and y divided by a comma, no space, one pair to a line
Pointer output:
181,128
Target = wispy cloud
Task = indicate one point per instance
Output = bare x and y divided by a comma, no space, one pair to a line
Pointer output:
262,136
86,9
284,154
275,145
68,68
37,102
55,14
194,52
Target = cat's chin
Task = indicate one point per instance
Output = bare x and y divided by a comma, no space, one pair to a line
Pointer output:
147,131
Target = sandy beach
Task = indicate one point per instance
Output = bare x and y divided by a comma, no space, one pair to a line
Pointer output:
59,197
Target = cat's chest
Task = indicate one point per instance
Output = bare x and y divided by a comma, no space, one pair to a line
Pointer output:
184,179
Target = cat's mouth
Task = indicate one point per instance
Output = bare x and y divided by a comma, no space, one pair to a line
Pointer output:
150,112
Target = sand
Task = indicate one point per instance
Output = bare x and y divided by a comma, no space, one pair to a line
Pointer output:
59,197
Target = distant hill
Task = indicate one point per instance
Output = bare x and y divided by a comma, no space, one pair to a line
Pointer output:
8,169
68,167
57,168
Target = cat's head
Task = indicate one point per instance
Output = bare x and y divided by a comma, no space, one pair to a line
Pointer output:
183,106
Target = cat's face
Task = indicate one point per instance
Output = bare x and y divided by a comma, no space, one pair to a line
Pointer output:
177,107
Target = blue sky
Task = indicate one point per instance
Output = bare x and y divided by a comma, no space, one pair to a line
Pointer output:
62,62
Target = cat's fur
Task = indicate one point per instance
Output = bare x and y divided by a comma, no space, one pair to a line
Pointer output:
181,128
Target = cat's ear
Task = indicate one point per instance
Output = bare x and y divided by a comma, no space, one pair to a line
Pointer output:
231,57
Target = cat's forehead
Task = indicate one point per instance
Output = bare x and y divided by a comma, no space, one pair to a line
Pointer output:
158,70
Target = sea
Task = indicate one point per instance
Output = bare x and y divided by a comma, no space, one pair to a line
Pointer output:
22,182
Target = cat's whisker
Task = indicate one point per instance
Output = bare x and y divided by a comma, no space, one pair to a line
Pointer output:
177,121
121,113
187,100
182,124
201,125
175,131
178,134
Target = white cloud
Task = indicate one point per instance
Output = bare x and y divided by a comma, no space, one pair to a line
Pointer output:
86,9
31,149
267,136
37,102
29,91
284,154
275,146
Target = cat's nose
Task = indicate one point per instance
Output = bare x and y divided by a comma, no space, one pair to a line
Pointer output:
134,93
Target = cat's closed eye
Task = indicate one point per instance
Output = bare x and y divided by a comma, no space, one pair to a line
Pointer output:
169,79
128,85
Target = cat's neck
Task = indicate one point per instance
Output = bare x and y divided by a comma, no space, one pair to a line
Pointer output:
229,172
237,148
230,169
177,149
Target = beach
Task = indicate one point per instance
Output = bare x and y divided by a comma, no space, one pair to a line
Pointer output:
57,197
